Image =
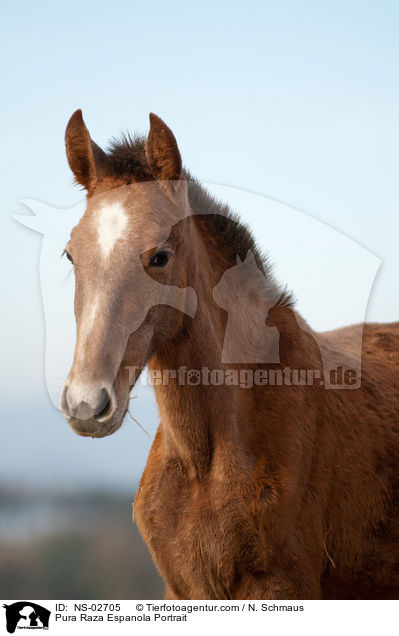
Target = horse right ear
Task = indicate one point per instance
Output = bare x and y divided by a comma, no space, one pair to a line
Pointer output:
162,152
85,158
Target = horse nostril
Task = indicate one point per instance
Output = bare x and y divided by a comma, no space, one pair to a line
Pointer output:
64,401
104,405
85,403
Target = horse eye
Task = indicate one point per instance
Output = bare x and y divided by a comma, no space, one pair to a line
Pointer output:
160,259
69,257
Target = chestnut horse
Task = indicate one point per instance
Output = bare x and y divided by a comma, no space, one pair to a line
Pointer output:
274,491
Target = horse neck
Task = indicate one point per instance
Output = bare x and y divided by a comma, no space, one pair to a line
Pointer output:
195,420
202,422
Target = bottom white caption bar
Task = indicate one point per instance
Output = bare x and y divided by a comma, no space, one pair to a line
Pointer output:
118,617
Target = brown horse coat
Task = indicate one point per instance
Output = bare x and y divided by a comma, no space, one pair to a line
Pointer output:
293,491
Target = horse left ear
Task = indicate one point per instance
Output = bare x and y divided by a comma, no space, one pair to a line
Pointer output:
85,158
162,152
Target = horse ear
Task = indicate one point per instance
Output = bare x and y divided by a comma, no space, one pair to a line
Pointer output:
162,152
85,158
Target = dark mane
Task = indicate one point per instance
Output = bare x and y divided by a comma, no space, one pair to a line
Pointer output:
127,160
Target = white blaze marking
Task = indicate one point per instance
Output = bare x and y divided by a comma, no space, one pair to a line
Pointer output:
112,221
88,321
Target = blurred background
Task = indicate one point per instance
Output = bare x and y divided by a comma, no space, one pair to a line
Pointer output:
297,101
72,545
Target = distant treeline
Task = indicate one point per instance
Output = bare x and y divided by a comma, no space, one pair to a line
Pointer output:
86,548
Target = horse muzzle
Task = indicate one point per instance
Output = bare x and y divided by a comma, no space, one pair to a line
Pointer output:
91,411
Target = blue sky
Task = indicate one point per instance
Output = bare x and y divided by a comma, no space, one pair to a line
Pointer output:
297,101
